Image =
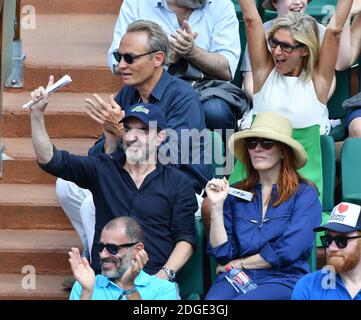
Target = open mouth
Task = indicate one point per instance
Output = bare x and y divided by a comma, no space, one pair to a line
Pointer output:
298,9
279,62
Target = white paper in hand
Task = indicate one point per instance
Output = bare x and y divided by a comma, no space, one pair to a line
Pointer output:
56,86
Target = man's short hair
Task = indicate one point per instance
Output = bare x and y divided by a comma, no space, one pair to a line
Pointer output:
157,38
132,229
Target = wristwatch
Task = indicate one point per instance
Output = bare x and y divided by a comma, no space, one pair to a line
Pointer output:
170,274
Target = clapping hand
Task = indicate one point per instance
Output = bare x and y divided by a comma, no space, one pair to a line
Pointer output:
139,261
182,41
82,271
107,115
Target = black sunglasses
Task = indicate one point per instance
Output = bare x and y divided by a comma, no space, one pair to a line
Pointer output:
112,248
129,58
285,47
341,241
251,143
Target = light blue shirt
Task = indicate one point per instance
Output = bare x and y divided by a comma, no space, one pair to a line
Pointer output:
216,24
149,288
320,285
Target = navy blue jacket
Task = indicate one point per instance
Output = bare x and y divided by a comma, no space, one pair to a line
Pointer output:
183,110
284,238
164,205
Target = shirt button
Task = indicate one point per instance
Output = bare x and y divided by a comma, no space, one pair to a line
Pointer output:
138,193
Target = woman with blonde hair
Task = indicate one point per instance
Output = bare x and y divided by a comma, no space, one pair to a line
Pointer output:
295,76
271,236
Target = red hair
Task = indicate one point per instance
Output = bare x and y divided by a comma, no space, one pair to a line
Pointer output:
288,179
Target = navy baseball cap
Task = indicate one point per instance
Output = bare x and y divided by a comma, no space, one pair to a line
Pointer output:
146,112
344,218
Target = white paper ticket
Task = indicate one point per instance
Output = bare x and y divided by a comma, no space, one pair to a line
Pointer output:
240,193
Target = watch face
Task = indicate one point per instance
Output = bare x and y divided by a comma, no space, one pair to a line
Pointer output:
170,273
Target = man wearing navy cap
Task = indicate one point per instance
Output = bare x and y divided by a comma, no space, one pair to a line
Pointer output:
340,279
131,183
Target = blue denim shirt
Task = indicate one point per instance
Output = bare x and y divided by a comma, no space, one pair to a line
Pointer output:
284,238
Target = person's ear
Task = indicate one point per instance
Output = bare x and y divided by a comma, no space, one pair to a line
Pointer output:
159,57
305,51
139,246
274,3
160,137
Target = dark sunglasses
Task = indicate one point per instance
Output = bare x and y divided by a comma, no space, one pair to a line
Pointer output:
285,47
129,58
112,248
341,241
251,143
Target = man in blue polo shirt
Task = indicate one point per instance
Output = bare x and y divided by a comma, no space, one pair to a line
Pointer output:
122,258
143,52
129,183
340,279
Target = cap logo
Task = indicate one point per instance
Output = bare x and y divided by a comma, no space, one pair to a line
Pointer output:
140,109
346,214
342,208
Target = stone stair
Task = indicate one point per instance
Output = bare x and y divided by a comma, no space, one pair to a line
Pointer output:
71,37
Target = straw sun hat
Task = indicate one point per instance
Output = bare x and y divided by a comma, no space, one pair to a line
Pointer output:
267,4
268,125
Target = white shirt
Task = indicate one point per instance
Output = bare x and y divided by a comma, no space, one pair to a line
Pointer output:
295,99
217,26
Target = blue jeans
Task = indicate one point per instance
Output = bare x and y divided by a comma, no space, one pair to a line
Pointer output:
218,115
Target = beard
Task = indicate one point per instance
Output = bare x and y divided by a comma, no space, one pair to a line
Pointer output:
191,4
122,265
345,262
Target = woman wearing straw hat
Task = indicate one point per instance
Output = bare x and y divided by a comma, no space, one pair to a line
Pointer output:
295,77
271,236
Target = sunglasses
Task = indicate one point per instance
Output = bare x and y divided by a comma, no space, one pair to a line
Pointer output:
285,47
341,241
251,143
129,58
112,248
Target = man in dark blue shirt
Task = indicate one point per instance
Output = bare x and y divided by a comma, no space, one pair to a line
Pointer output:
142,53
130,183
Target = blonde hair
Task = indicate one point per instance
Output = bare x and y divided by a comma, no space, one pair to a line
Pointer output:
303,28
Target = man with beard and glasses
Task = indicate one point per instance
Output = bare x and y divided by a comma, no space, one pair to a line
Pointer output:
340,279
122,258
131,183
204,33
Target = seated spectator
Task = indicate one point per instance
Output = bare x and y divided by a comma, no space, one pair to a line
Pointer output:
203,33
144,81
341,277
129,183
270,237
295,77
283,7
122,258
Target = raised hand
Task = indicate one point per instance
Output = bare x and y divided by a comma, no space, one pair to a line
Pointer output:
140,259
107,115
217,190
82,271
40,97
356,7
